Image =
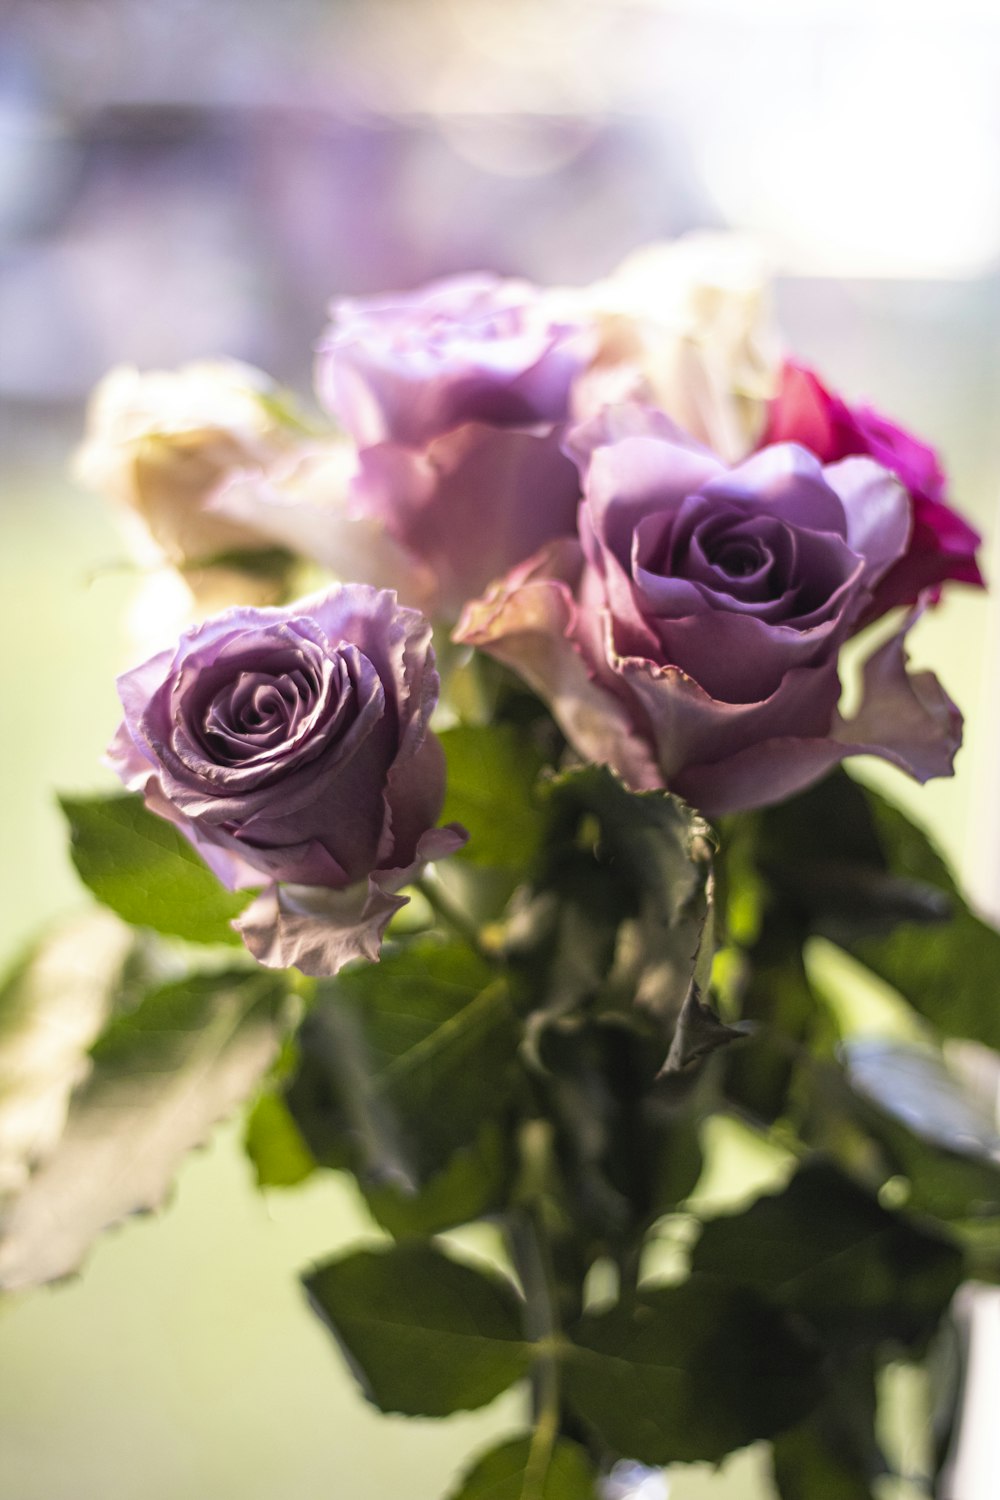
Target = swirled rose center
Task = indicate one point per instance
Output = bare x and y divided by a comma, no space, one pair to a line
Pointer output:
257,713
702,555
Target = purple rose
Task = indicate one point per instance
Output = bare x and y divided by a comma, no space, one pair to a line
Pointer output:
691,637
291,746
456,396
942,545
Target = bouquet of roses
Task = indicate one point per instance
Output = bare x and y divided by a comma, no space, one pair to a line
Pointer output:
488,846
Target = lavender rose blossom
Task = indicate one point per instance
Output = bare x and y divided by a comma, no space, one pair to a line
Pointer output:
456,396
291,746
691,636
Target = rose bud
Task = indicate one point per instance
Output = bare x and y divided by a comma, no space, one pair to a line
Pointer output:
942,546
456,396
291,747
691,637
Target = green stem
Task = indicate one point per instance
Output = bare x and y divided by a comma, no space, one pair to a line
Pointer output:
449,913
529,1251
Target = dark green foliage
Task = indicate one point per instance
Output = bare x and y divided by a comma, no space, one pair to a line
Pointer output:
425,1335
690,1372
523,1469
828,1251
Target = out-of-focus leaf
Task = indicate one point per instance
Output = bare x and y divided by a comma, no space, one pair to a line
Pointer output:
947,972
275,1145
936,1134
401,1064
834,1453
471,1184
782,1014
521,1470
424,1335
856,870
829,1252
52,1006
823,853
147,872
625,890
691,1372
160,1078
807,1464
492,772
699,1033
628,1149
914,1086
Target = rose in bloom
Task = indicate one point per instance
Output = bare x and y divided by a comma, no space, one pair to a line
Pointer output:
456,396
686,326
291,746
690,638
942,545
158,443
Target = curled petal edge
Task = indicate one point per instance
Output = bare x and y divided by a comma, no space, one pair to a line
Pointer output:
317,930
527,621
905,718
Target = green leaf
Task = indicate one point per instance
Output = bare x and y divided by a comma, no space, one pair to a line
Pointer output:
424,1335
147,872
275,1145
628,1150
834,1454
521,1469
692,1372
492,773
806,1464
856,870
947,971
828,1251
160,1078
402,1063
630,873
473,1183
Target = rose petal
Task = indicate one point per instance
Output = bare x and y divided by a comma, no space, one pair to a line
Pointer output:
528,621
316,930
472,503
879,516
904,718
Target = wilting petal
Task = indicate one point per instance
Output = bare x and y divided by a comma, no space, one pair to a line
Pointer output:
315,930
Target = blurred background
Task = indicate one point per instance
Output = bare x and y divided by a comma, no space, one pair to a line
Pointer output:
181,179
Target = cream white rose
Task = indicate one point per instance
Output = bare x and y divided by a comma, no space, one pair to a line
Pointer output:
158,443
686,326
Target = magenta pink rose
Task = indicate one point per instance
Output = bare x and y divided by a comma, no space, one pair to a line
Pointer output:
942,545
457,395
690,637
